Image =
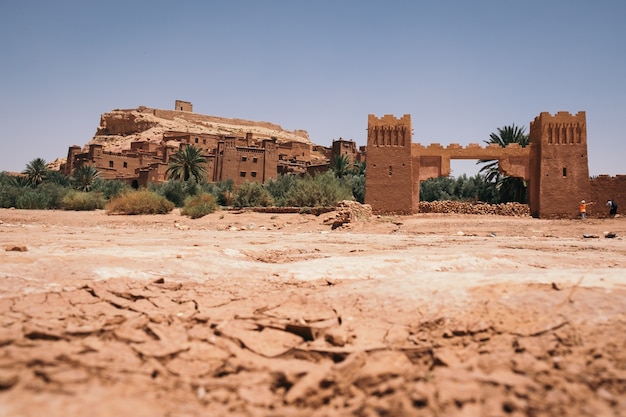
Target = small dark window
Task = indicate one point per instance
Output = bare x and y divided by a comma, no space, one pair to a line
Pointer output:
196,140
125,164
390,171
255,160
242,174
564,172
110,164
204,141
253,174
244,159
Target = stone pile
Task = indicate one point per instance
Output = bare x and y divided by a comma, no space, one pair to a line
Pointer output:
460,207
348,212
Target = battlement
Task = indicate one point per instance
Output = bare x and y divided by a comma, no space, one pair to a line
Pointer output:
561,129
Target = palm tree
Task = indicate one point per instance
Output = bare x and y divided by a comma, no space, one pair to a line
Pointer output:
58,178
36,172
509,188
186,164
341,165
85,176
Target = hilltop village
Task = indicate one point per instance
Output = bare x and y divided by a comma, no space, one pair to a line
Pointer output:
135,146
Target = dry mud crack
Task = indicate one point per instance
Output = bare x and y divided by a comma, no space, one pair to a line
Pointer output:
111,315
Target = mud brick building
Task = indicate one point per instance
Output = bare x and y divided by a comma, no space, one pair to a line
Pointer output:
554,164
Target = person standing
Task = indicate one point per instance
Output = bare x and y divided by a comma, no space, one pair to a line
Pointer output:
583,208
612,207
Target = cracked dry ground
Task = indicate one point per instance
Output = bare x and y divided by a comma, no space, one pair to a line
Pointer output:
259,315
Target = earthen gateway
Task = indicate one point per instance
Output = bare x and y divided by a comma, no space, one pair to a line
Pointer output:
554,164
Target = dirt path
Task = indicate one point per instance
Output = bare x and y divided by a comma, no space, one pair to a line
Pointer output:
243,313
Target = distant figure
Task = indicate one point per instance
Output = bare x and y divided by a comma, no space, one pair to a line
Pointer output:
583,208
612,207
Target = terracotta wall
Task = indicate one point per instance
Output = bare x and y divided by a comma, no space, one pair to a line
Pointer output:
559,166
390,187
603,188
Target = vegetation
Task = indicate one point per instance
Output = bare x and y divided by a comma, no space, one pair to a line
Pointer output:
510,189
459,189
341,165
322,190
82,201
187,164
199,206
36,172
252,194
139,202
85,177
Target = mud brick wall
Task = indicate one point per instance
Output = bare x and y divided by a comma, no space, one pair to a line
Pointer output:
605,187
390,185
559,166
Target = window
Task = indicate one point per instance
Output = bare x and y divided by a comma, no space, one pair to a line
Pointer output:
564,172
255,160
204,141
242,174
253,174
196,140
390,171
110,164
244,159
125,164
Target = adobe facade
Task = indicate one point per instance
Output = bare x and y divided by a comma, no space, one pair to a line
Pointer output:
554,164
240,159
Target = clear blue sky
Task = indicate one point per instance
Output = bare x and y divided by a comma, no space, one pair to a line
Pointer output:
460,68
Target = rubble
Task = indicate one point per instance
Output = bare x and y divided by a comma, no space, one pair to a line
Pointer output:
349,212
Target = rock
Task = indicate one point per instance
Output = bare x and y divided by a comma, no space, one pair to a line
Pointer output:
610,235
15,248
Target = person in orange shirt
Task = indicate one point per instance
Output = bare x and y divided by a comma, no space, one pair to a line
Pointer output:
583,208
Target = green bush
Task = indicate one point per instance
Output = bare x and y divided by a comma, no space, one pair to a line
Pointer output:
83,201
53,194
31,199
252,194
8,196
111,188
176,191
139,202
222,190
199,206
323,190
278,188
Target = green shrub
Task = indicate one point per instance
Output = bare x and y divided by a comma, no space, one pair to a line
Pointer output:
139,202
176,191
323,190
83,201
111,188
31,199
251,194
199,206
10,190
222,190
53,194
278,188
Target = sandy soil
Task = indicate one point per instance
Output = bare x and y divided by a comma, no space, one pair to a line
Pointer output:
251,314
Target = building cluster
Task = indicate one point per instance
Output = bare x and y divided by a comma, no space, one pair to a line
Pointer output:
234,158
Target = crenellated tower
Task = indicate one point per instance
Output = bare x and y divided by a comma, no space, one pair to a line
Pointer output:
559,170
390,185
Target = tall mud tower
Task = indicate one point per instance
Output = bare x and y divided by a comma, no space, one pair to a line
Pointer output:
559,170
389,186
